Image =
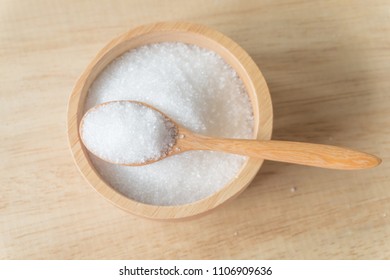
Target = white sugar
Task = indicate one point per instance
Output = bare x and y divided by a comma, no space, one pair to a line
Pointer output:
127,133
197,89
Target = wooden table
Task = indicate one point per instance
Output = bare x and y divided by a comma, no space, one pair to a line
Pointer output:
327,65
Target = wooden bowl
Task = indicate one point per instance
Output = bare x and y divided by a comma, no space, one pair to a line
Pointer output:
173,32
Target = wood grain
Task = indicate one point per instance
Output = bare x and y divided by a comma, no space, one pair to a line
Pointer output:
327,65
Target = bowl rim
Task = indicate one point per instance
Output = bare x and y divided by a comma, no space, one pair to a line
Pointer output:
199,207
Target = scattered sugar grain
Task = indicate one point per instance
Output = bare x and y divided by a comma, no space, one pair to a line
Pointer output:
200,91
127,133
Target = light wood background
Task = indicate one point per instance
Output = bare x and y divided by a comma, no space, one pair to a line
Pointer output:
327,65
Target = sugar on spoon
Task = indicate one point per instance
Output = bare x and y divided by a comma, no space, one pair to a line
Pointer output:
133,133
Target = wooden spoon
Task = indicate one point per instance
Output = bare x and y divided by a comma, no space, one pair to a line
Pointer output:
318,155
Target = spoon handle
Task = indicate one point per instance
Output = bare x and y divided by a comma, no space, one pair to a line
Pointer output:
318,155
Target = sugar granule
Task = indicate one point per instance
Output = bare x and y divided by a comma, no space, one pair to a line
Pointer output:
127,133
197,89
